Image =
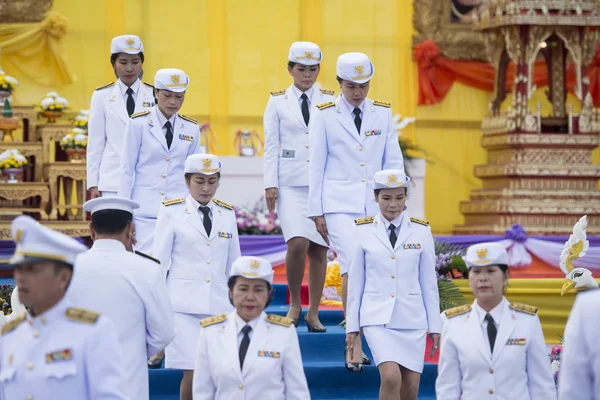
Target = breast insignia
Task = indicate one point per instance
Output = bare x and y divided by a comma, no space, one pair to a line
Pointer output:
419,221
139,114
82,315
327,91
325,105
278,93
279,320
105,86
12,325
362,221
453,312
192,120
139,253
223,204
382,103
524,308
173,201
217,319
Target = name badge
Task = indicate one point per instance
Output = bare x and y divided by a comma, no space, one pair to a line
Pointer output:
373,132
516,342
185,137
288,153
147,104
272,354
412,246
225,235
60,355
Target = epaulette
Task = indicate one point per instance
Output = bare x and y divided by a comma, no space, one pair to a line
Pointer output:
173,201
453,312
148,84
223,204
192,120
12,325
419,221
362,221
139,253
278,92
279,320
325,105
140,114
524,308
327,91
82,315
217,319
105,86
385,104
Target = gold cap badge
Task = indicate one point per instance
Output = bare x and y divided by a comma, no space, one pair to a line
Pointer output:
392,179
130,41
359,69
206,162
175,78
254,264
482,253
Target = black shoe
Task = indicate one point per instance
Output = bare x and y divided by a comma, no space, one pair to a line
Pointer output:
365,360
156,362
352,367
296,323
312,328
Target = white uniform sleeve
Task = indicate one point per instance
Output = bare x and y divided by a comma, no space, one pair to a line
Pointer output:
429,286
539,370
296,387
195,147
159,314
271,154
356,288
318,159
132,144
448,382
163,239
96,138
203,386
234,247
392,156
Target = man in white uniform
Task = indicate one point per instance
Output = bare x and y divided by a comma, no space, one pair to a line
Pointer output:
129,289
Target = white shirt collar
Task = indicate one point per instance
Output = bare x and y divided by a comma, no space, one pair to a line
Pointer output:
197,204
163,120
135,86
299,92
495,312
397,221
351,107
240,323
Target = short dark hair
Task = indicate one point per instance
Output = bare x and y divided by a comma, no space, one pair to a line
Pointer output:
231,283
113,57
111,222
188,176
376,191
340,80
292,64
58,265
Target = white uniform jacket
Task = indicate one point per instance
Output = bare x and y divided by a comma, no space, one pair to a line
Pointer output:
342,162
65,353
286,138
579,377
519,367
106,129
272,367
131,291
150,172
196,265
396,286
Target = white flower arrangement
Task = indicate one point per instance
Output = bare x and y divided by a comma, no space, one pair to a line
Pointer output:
75,139
7,83
81,120
53,102
12,158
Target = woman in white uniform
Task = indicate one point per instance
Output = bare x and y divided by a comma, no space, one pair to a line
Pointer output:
110,109
286,177
492,349
196,242
247,354
392,289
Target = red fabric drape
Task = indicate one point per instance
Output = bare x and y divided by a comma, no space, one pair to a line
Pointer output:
437,74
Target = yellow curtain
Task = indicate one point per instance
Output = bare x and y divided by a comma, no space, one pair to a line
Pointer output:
33,51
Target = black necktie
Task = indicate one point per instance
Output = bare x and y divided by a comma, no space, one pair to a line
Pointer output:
130,101
305,112
393,236
491,329
357,120
169,135
245,343
206,221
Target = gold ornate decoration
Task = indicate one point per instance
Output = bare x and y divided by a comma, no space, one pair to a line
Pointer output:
19,11
49,132
70,228
77,172
26,190
254,264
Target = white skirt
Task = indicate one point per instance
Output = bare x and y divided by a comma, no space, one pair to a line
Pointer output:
402,346
292,209
181,352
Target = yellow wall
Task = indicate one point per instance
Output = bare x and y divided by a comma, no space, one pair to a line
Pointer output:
235,52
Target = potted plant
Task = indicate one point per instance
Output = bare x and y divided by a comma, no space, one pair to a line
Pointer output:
449,265
12,163
74,144
53,106
7,85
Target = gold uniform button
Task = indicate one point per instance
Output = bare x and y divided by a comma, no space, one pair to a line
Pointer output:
208,261
362,164
29,397
360,148
393,257
393,295
164,175
167,158
208,280
162,193
490,391
491,371
208,243
307,132
36,333
307,146
363,179
242,386
393,276
30,366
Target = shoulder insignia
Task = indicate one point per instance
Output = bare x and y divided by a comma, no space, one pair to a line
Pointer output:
327,91
173,201
12,325
223,204
192,120
139,114
279,320
362,221
453,312
325,105
148,84
278,92
105,86
385,104
139,253
217,319
419,221
82,315
524,308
